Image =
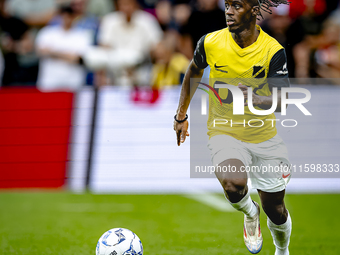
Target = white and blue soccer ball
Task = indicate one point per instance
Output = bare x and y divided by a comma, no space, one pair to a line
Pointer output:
119,241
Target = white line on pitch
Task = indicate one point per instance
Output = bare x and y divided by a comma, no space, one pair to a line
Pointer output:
213,200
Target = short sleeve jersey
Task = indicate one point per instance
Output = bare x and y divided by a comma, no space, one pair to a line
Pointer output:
262,66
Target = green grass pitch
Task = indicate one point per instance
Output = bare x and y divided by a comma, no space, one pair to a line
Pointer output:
43,223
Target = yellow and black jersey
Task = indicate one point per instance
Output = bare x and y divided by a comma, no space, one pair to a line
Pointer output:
251,66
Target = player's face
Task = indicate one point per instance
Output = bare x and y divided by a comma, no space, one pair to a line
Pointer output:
238,14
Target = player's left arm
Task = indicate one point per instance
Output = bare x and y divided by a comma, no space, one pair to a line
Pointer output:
277,78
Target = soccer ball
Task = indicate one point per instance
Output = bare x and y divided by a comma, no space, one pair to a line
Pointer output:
119,241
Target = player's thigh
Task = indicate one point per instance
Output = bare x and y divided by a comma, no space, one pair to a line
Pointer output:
270,168
272,199
268,175
229,156
273,148
224,147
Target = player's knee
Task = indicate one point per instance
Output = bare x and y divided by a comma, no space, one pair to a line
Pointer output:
276,213
234,185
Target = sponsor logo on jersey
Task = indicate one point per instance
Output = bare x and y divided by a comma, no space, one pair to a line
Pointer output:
218,68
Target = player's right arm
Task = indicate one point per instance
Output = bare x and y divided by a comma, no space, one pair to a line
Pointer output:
195,70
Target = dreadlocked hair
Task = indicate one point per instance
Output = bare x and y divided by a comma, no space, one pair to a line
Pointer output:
265,5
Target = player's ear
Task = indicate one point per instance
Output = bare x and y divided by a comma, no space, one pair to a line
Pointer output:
255,11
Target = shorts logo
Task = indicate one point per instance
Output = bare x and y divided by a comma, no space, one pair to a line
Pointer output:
284,167
285,176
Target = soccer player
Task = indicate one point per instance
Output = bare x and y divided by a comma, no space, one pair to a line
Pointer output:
243,53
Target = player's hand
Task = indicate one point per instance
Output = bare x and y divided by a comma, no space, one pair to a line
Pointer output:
256,98
181,130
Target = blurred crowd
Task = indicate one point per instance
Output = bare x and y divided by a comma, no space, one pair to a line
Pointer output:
65,44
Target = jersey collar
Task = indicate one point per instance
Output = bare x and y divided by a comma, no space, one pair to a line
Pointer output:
244,51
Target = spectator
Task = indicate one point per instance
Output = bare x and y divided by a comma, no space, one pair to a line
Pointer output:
83,21
293,26
277,24
35,14
328,50
327,53
61,49
129,35
208,17
308,15
16,43
170,66
172,15
181,12
163,11
307,8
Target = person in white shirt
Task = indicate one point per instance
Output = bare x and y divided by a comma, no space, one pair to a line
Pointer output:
126,37
61,49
